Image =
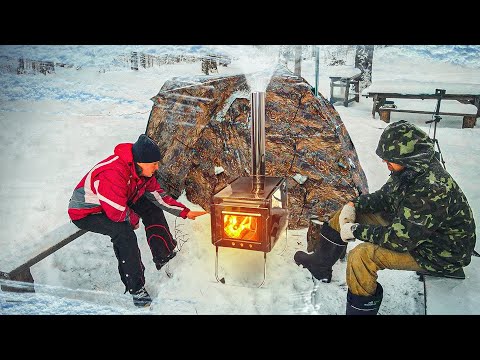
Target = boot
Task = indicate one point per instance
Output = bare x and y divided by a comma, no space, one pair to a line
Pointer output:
364,305
329,249
141,298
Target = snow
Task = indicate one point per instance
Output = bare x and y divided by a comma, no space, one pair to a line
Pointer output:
447,296
342,71
403,86
57,126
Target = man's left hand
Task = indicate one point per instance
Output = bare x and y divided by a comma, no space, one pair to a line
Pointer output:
193,214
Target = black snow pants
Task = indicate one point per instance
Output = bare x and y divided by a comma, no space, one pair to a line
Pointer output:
125,246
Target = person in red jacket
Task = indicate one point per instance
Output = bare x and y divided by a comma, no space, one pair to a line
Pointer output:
113,196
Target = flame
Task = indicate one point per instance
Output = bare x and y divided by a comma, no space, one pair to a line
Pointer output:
240,227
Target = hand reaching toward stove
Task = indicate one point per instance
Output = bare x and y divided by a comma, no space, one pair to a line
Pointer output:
193,214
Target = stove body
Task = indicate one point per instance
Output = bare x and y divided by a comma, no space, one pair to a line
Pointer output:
250,213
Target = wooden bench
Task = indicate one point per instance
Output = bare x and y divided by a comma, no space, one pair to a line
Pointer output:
16,266
380,99
447,296
469,120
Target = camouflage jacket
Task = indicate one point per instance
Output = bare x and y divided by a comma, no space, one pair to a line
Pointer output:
432,219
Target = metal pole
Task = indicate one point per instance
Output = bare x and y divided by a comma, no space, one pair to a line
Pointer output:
258,139
258,133
317,60
437,118
440,93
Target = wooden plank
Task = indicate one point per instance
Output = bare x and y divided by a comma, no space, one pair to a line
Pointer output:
444,296
26,255
470,98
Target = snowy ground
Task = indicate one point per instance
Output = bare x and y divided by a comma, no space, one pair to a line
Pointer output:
56,127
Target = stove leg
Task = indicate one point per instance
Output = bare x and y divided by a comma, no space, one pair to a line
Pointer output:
222,280
264,268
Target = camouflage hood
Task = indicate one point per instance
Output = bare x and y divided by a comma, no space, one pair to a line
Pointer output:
403,143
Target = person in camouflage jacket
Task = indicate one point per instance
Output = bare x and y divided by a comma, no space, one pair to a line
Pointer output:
431,226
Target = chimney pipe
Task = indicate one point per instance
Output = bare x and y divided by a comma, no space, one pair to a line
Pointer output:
258,140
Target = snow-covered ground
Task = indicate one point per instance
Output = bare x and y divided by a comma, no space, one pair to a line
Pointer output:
57,126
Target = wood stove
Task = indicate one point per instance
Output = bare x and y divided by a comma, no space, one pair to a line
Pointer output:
251,212
243,218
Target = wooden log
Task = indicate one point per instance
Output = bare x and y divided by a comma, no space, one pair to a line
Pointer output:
385,115
469,121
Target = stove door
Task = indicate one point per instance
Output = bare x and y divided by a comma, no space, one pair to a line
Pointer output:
239,227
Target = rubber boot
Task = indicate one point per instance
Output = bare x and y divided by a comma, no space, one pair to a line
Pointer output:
329,249
364,305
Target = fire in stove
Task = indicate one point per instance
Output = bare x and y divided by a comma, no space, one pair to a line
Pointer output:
251,212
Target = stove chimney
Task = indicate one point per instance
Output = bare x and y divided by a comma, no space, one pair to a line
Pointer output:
258,141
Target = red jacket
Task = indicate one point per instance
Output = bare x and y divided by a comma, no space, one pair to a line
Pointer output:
113,183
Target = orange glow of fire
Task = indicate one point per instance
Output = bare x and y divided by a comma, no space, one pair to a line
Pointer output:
240,227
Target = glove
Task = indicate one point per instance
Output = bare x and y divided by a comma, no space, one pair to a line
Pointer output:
193,214
346,231
347,215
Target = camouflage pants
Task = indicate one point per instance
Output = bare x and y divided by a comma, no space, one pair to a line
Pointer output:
365,259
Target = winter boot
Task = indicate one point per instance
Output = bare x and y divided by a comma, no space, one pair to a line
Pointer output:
328,250
159,262
364,305
141,298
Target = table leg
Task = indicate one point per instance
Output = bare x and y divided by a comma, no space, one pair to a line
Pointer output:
347,93
477,104
374,105
377,103
331,91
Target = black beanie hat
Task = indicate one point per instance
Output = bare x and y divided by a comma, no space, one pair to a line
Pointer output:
145,150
